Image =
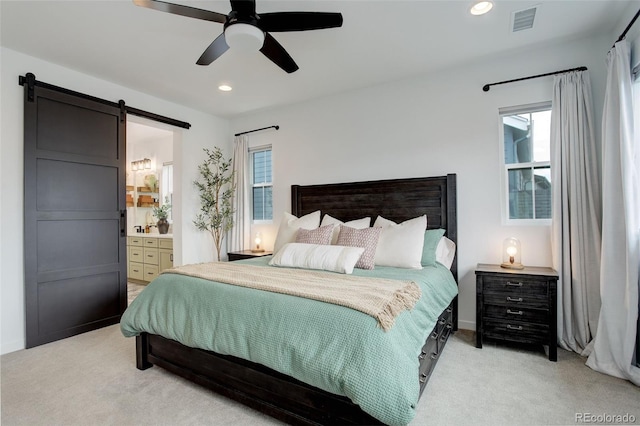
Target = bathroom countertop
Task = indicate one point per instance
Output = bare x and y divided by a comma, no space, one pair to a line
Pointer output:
149,235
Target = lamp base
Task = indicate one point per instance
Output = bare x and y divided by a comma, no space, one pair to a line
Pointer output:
257,250
512,266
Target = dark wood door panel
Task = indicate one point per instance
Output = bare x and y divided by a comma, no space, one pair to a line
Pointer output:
69,244
75,230
83,300
95,127
71,186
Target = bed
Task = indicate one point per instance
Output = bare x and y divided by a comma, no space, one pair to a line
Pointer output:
293,400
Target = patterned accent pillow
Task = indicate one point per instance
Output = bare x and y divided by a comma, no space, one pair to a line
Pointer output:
366,238
321,235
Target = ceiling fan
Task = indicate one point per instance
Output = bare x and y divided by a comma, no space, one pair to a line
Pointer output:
245,29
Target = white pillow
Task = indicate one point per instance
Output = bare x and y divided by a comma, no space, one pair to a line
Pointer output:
357,224
400,245
445,252
316,256
290,225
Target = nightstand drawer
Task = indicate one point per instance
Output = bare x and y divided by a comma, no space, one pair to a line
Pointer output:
517,300
516,331
511,313
514,285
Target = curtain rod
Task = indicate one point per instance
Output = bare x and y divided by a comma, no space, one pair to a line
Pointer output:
486,87
257,130
624,33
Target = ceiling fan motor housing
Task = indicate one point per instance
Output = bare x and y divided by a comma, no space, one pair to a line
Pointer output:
242,33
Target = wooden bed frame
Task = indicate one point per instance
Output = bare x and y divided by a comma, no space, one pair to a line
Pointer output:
282,396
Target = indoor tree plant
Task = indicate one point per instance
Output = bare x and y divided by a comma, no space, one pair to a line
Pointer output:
162,213
215,188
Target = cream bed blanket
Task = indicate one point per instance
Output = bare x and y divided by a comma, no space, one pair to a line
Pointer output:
381,298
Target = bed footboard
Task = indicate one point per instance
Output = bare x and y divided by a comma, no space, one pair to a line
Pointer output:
268,391
252,384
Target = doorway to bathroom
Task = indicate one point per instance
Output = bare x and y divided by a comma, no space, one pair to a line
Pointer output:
149,200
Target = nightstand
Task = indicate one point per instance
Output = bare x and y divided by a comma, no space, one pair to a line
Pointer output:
517,305
247,254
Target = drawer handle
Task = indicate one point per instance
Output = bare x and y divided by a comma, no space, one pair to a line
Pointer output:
449,326
422,355
171,257
434,335
423,378
511,327
136,270
509,311
511,299
449,310
149,255
443,338
442,322
433,356
519,284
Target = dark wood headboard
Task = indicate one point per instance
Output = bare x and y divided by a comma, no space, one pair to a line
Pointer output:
395,199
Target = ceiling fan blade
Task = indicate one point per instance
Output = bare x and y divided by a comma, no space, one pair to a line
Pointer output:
214,51
298,21
276,53
244,7
178,9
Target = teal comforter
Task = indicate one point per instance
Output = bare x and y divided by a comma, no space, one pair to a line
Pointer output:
333,348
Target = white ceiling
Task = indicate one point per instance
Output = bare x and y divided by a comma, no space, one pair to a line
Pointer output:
380,41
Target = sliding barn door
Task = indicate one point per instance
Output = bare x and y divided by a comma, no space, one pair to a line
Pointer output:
75,230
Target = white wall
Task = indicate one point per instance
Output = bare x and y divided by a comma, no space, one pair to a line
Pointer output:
190,245
426,126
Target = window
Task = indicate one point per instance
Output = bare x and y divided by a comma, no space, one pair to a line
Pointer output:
262,184
526,133
166,188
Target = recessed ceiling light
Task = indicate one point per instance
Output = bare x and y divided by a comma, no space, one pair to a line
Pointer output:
481,7
225,88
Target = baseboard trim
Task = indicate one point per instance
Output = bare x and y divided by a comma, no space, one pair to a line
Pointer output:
467,325
14,346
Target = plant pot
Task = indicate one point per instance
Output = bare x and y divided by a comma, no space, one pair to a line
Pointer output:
163,226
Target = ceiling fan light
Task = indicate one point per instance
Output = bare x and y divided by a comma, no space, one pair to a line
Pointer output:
481,7
244,37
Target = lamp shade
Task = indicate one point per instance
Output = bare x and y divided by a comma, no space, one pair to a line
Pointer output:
257,244
244,37
511,254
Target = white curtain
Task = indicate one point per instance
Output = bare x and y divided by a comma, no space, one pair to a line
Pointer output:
241,231
576,211
615,341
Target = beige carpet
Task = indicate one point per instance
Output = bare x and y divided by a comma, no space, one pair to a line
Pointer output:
91,379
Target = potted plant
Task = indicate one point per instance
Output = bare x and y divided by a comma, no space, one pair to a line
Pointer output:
216,191
162,213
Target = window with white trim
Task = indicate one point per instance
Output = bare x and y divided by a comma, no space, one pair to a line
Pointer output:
261,184
526,154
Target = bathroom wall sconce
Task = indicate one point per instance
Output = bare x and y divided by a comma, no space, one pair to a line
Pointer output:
258,244
511,254
141,164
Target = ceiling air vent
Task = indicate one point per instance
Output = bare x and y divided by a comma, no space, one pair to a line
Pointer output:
523,19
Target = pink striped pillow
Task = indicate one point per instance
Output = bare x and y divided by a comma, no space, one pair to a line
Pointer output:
366,238
321,235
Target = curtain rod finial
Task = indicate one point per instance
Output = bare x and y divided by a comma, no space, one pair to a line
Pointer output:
486,87
276,127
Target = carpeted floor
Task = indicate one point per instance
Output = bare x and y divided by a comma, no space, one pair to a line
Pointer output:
91,379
